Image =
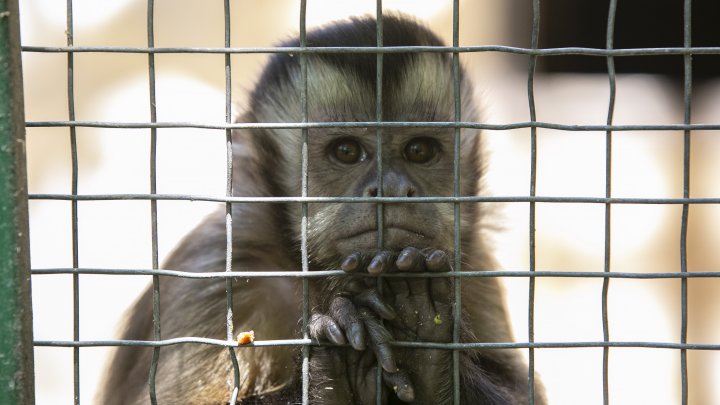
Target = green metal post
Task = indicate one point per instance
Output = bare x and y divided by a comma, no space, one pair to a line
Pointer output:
16,349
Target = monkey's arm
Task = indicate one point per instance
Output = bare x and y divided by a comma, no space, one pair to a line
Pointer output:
198,373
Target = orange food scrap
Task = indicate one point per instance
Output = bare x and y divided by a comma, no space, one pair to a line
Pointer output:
244,338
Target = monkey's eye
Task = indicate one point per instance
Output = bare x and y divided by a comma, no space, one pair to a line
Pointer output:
347,151
420,150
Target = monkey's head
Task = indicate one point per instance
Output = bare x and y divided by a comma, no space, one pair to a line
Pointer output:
416,162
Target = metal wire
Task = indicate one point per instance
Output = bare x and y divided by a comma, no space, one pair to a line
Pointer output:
304,206
660,51
380,207
608,194
229,323
687,90
418,345
457,309
467,199
74,205
325,273
157,335
373,124
533,179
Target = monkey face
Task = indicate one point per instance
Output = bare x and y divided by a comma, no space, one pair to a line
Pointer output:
415,163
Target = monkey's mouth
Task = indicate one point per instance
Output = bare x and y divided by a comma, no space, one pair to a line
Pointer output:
394,237
388,228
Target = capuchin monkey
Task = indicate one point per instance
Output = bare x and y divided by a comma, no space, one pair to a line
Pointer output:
355,317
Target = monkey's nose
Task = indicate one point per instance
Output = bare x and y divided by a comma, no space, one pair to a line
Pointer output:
394,185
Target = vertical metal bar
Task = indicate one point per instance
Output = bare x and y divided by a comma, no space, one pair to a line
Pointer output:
228,209
74,203
378,130
16,364
533,179
610,33
379,165
457,310
304,207
153,203
687,85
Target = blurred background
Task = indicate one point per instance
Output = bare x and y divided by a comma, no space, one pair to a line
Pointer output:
570,237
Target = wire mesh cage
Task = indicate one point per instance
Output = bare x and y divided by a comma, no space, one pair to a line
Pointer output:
86,219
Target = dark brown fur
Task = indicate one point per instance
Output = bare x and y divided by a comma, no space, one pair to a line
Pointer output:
418,87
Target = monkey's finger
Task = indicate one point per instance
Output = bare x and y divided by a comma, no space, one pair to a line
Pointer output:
400,384
324,327
355,286
440,288
413,260
397,287
418,286
379,341
352,263
343,311
387,262
438,261
385,356
381,263
410,259
371,298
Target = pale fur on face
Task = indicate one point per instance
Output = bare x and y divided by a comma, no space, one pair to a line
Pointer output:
425,93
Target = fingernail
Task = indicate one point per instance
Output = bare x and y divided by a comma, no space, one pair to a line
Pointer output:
388,312
436,259
350,263
406,393
376,265
356,338
389,365
336,336
404,261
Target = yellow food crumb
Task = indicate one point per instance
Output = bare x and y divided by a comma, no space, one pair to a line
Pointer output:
437,319
244,338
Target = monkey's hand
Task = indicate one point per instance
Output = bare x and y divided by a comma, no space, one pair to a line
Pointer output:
423,312
354,315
